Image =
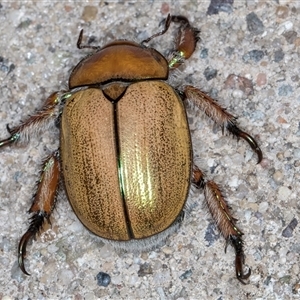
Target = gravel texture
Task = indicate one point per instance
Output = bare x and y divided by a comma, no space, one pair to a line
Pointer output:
248,59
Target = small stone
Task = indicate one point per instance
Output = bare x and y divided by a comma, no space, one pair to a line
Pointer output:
186,274
89,13
253,55
161,293
217,6
284,193
278,55
103,279
210,73
239,83
285,279
211,234
261,79
278,177
284,27
281,120
204,53
263,207
282,12
254,24
167,250
296,153
296,288
89,296
285,90
290,36
288,231
165,8
145,269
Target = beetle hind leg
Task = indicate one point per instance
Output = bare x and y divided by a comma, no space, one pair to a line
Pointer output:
226,223
220,116
43,204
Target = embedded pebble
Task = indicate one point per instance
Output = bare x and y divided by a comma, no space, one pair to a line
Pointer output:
263,207
89,13
285,90
261,79
284,193
204,53
279,55
288,231
167,250
253,55
278,177
254,24
290,36
103,279
217,6
239,82
210,73
186,274
282,12
286,26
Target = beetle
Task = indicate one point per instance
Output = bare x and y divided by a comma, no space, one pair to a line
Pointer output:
125,155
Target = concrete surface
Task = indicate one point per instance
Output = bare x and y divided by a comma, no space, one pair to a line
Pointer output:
256,40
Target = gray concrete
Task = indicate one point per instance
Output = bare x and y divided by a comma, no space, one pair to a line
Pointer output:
39,39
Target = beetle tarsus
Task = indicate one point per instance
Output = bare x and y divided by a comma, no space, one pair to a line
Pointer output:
14,136
36,224
237,244
8,141
186,41
232,128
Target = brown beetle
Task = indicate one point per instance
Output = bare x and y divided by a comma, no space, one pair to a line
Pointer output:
125,149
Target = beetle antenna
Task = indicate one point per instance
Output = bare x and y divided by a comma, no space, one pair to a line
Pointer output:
79,43
167,25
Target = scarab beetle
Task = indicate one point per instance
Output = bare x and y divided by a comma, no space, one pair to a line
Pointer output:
125,155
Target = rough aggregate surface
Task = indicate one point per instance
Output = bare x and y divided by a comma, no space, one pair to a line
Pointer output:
248,59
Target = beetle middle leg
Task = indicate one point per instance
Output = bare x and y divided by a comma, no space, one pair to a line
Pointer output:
218,114
226,223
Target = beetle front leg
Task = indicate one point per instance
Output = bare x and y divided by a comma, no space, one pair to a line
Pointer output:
185,42
43,203
226,223
35,123
219,115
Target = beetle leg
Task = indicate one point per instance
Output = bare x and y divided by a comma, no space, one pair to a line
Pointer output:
186,41
225,221
34,123
43,204
219,115
237,244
